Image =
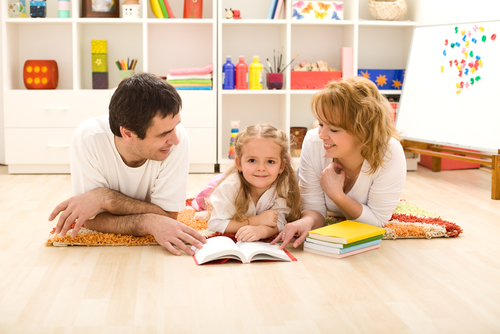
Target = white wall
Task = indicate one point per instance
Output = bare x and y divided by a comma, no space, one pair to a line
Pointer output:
2,132
456,11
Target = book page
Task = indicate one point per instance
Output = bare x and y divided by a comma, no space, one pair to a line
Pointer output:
261,251
218,248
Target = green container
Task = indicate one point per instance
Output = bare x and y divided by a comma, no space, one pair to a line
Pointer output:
126,74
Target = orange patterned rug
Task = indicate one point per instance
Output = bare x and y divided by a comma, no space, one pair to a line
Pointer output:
408,221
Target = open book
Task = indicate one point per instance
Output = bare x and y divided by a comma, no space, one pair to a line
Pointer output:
223,249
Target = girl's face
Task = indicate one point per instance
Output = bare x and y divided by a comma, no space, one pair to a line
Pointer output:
260,163
338,143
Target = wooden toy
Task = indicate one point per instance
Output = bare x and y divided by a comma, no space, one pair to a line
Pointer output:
99,50
40,74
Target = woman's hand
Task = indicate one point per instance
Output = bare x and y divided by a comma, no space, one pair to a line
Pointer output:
266,218
299,227
332,180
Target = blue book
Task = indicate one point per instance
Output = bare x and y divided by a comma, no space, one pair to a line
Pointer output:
332,250
272,9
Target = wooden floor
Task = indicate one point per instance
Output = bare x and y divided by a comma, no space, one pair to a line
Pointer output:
407,286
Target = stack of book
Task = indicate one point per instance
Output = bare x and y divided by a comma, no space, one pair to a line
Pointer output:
344,239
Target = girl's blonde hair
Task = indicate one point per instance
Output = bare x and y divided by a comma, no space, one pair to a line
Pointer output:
355,105
287,186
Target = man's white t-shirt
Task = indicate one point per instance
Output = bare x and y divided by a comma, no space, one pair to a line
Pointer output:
95,163
378,193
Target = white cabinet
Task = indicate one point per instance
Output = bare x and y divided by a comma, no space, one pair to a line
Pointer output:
376,45
39,123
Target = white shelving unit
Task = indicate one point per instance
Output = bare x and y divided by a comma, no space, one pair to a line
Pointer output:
376,44
39,123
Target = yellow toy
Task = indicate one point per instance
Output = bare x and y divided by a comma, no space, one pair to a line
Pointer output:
156,9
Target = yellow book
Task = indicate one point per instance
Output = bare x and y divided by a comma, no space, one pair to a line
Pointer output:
346,232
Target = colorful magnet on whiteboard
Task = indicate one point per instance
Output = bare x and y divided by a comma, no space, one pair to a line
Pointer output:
493,37
451,63
458,85
456,62
472,70
462,84
463,39
464,50
465,54
469,33
478,78
456,30
466,71
483,38
471,54
458,91
481,63
467,85
467,44
481,29
463,32
471,65
459,67
444,52
463,61
475,27
460,73
452,45
478,58
471,81
442,68
457,44
474,40
445,42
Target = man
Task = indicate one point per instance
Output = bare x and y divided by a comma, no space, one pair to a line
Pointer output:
129,170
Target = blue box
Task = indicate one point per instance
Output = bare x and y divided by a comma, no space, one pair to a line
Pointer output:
384,79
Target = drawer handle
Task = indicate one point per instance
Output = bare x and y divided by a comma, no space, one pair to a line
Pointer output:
56,145
56,108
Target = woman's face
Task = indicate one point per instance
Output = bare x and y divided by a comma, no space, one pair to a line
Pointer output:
338,143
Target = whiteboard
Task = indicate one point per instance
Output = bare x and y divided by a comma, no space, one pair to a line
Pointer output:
431,110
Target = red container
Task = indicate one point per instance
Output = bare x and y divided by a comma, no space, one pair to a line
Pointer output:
274,80
193,9
313,79
241,74
448,164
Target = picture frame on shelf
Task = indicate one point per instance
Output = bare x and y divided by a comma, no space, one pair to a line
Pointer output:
101,8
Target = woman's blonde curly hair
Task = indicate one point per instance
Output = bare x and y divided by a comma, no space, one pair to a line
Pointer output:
355,105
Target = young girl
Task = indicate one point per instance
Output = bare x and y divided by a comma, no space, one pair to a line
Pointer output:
260,193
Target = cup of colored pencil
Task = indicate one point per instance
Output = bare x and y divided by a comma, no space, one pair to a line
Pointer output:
126,67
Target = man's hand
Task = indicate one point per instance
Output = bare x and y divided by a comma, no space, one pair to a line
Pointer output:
266,218
78,208
169,232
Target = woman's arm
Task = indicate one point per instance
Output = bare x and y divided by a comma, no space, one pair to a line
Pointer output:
298,230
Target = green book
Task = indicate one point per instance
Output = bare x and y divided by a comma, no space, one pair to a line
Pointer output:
163,9
337,245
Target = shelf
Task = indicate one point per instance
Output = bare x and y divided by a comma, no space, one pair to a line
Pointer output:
253,22
390,92
254,92
369,23
38,21
323,23
180,21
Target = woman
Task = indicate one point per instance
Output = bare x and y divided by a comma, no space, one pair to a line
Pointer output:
353,164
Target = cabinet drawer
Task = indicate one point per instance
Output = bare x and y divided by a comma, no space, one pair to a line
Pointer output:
37,146
199,109
202,142
53,108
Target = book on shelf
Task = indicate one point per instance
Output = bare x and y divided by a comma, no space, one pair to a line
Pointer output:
277,12
337,245
346,232
341,256
272,9
219,250
334,250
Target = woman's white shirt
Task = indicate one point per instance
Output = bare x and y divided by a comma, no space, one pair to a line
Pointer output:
378,193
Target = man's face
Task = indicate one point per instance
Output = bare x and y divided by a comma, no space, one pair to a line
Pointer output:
159,140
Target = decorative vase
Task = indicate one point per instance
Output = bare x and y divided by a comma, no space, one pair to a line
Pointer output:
387,10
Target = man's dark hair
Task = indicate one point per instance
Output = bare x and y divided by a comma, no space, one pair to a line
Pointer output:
138,99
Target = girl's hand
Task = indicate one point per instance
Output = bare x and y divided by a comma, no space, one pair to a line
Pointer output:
299,227
266,218
332,180
250,233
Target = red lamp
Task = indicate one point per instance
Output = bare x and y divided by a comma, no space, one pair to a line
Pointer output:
40,74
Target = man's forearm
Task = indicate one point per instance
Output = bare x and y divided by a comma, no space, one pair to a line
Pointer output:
119,204
125,224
